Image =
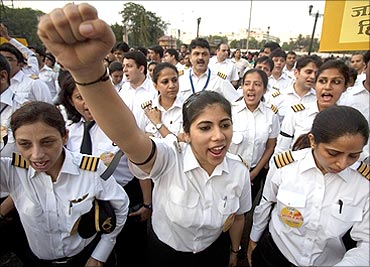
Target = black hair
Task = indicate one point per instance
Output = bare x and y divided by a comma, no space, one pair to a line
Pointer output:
4,65
122,46
38,111
367,57
157,49
272,46
337,121
195,104
139,59
161,66
8,47
261,73
199,42
335,64
173,52
278,53
265,59
305,60
115,66
67,86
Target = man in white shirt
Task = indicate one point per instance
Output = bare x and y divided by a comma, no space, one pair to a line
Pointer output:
199,77
357,62
26,87
291,59
278,79
172,56
223,66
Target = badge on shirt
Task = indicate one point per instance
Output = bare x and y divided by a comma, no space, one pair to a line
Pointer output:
229,222
107,157
291,217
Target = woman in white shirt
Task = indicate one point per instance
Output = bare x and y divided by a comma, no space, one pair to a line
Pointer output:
201,192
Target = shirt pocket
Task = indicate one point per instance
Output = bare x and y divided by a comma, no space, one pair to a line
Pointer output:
342,217
76,210
183,207
226,207
291,209
32,214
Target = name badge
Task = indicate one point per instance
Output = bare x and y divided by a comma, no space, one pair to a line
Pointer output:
291,217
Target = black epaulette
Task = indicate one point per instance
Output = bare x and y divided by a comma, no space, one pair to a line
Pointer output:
19,161
275,94
283,159
89,163
244,162
298,107
274,109
364,170
180,72
222,75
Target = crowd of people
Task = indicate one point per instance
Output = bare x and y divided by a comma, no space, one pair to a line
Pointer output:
120,156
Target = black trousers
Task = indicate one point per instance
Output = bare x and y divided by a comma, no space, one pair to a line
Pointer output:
132,242
162,255
258,182
267,254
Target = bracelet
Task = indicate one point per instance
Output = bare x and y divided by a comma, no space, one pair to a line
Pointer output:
103,78
148,206
151,155
235,251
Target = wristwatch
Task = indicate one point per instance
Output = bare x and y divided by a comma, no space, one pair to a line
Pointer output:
158,126
235,251
148,206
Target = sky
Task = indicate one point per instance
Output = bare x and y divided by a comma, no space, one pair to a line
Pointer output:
286,19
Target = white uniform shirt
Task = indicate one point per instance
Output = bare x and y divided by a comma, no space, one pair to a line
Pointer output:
226,67
357,97
48,75
102,147
171,118
45,211
191,207
28,89
32,63
241,65
251,131
215,83
317,242
133,98
289,98
281,83
289,73
294,125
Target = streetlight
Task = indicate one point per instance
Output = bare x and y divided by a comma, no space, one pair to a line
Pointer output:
249,25
317,15
268,33
198,22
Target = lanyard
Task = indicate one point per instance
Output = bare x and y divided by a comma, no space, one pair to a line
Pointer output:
205,86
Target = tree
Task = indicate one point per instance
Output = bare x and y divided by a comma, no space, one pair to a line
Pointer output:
143,27
118,31
25,27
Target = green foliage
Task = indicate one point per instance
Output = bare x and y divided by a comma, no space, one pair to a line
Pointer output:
22,22
118,31
143,27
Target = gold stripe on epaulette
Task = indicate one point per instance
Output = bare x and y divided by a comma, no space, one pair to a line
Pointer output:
89,163
244,162
19,161
283,159
180,72
298,107
275,94
364,169
274,109
222,75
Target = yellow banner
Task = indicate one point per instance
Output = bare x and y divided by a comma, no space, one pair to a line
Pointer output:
346,26
21,40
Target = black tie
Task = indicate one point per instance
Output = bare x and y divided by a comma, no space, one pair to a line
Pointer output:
86,145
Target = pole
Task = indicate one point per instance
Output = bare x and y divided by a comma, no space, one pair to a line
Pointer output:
313,33
249,25
198,22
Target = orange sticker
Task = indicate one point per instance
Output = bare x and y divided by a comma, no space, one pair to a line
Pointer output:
291,217
229,222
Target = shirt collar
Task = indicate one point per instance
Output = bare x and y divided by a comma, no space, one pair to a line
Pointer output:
309,163
191,163
7,97
69,165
